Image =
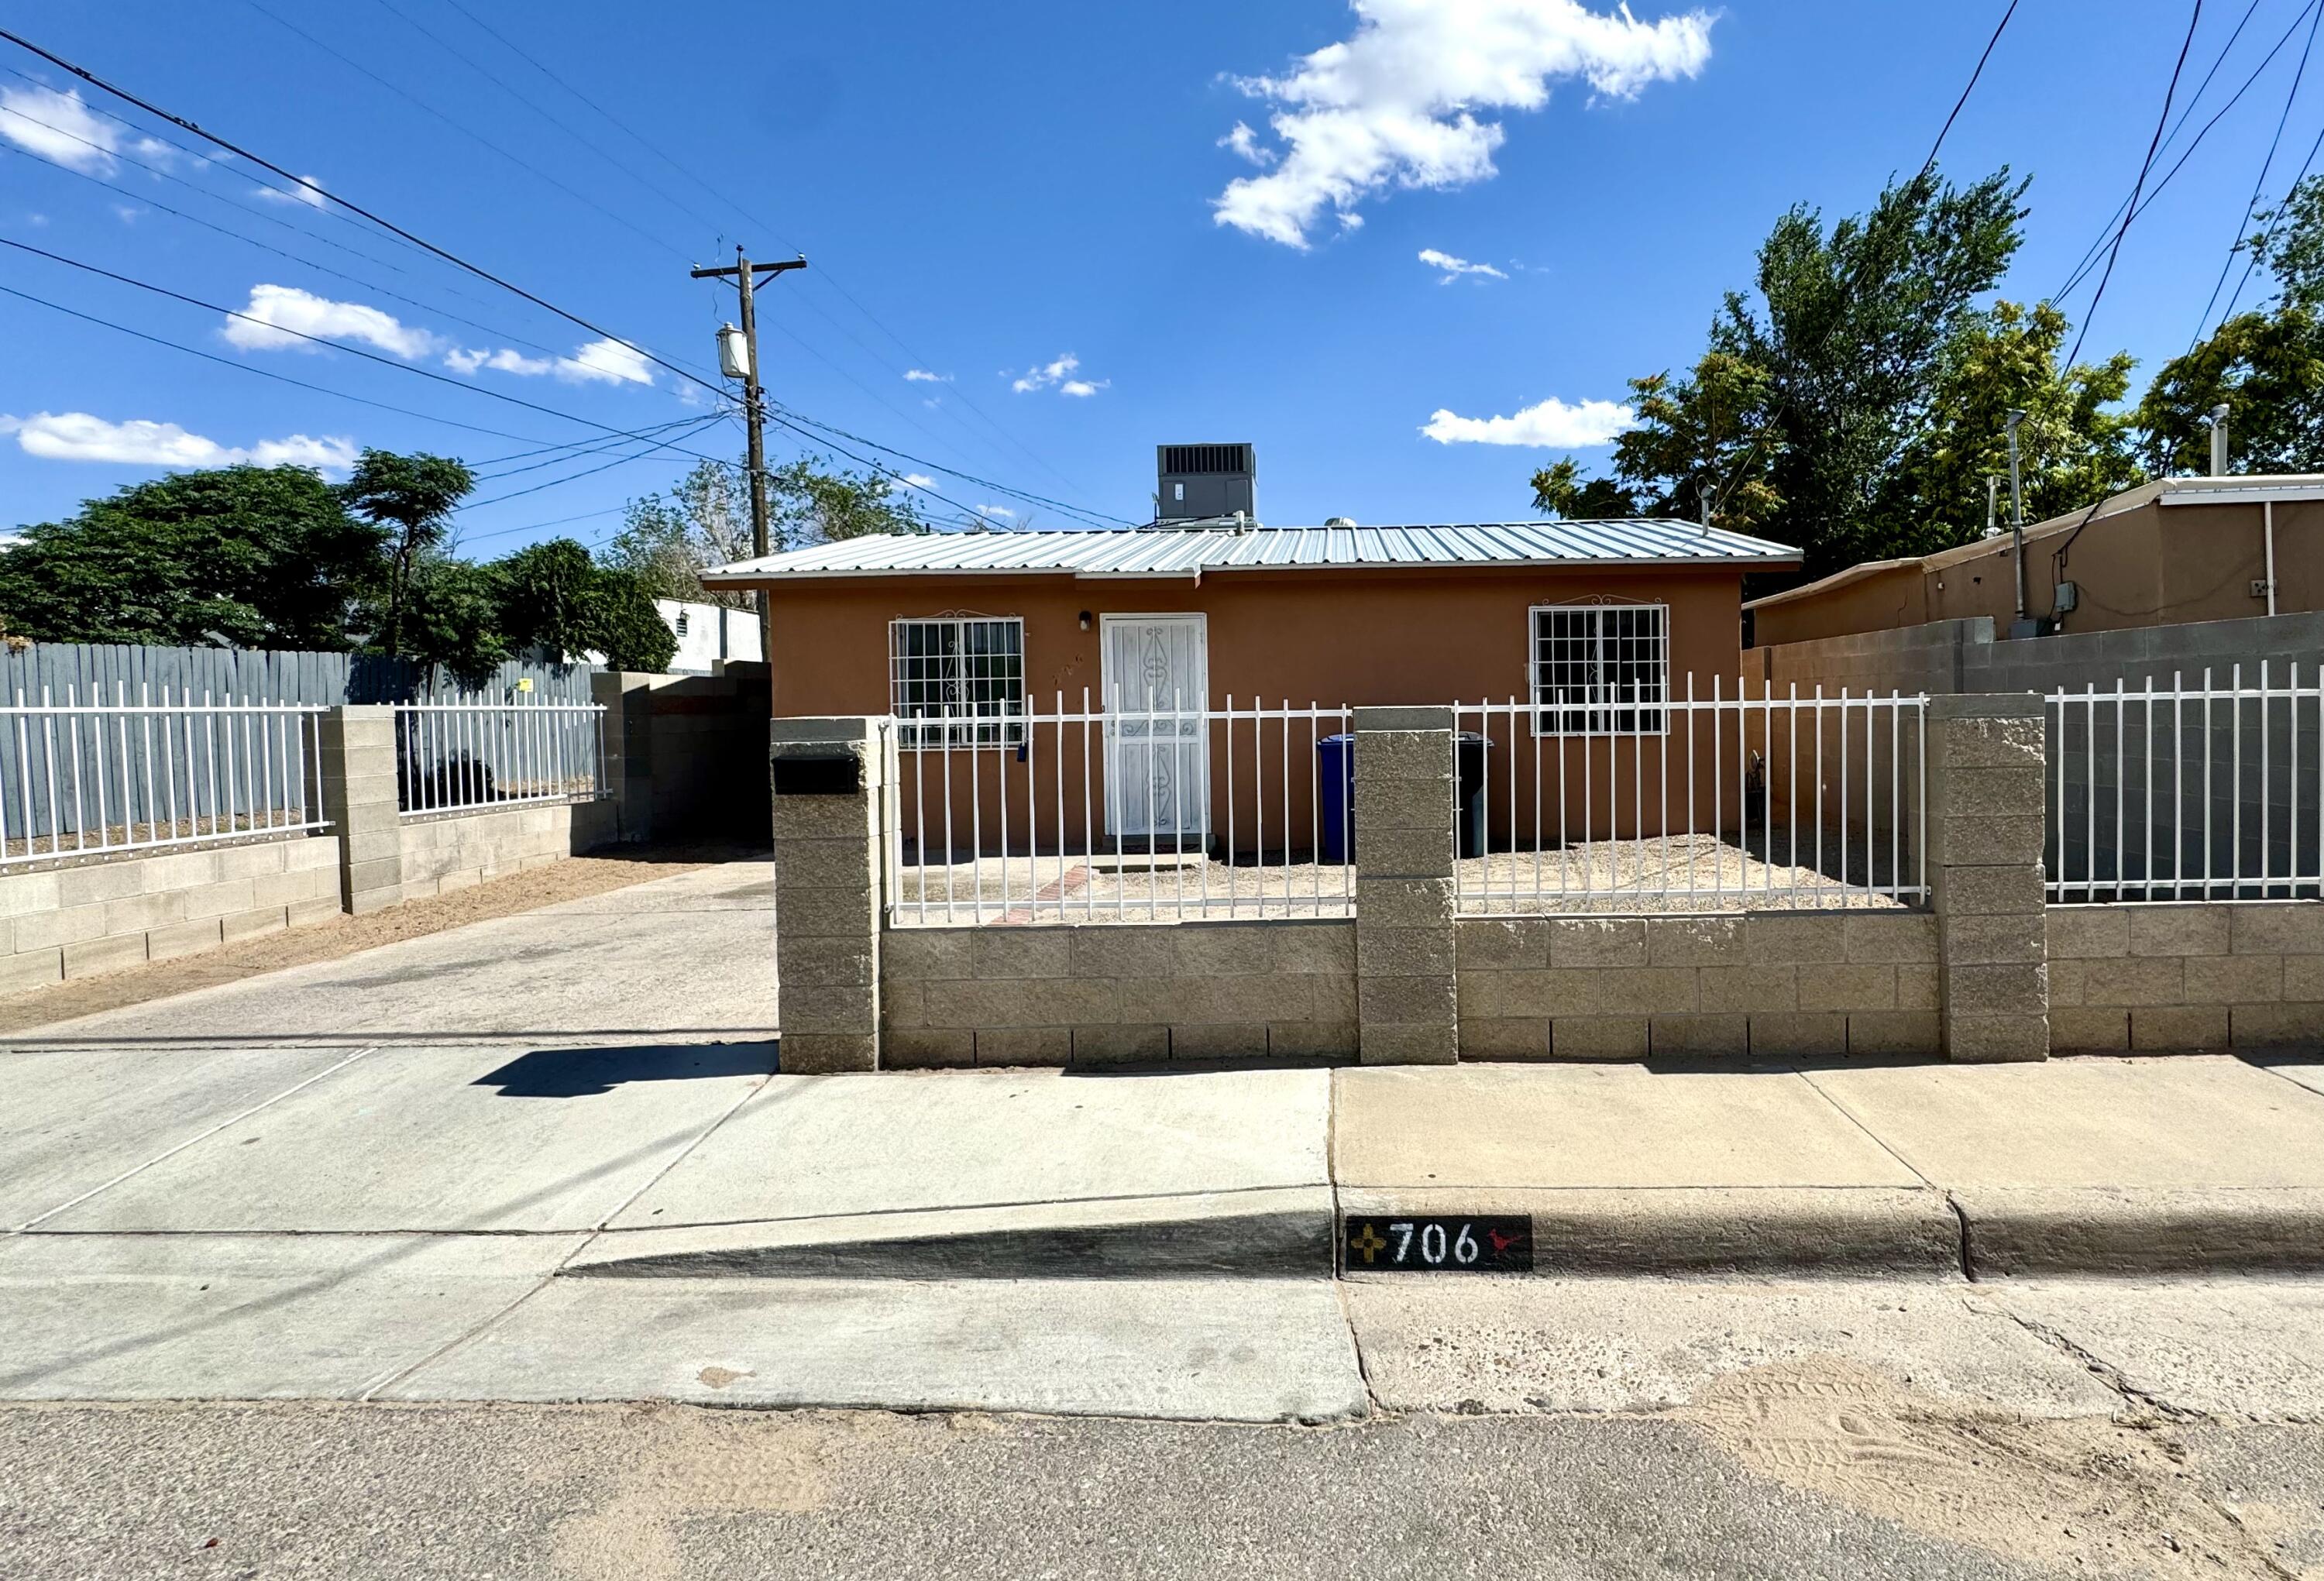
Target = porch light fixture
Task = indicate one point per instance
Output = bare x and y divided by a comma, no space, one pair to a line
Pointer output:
1086,619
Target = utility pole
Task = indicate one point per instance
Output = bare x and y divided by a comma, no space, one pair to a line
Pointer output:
738,358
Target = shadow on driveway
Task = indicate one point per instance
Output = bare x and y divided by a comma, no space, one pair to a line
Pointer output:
590,1073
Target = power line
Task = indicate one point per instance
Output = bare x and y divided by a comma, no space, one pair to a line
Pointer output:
449,257
595,445
2152,143
2260,182
219,141
477,137
247,241
2089,259
652,448
320,340
727,199
1094,519
248,368
1759,439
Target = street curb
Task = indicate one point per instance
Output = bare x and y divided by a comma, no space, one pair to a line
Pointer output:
1774,1230
2129,1230
1284,1233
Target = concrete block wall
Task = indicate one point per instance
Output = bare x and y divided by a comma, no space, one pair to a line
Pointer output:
2187,977
1405,989
1766,985
452,850
1111,994
829,838
105,914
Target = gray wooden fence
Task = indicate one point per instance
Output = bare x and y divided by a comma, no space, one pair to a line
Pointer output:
106,745
90,673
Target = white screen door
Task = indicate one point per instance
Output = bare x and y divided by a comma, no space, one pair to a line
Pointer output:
1157,780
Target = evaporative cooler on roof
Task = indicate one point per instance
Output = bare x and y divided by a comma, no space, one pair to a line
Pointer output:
1201,483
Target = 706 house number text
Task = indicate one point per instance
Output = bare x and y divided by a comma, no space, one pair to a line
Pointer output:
1485,1244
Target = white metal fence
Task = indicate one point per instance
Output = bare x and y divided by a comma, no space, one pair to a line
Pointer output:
457,757
1135,814
1640,802
89,777
2206,790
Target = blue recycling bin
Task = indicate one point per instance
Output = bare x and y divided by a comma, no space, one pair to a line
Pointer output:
1336,784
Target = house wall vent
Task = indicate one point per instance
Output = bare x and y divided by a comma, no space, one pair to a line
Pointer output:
1196,482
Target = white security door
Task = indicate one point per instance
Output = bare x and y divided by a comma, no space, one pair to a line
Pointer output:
1156,678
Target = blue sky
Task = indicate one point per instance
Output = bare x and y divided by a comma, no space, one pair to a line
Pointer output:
1039,206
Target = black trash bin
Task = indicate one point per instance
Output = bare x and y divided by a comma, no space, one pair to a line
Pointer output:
1336,782
1469,791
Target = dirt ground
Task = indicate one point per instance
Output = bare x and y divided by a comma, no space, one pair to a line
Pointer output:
574,879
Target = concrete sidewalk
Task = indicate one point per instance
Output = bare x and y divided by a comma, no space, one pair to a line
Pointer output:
2154,1165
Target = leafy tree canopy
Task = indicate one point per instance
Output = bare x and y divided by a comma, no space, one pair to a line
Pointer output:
260,556
812,503
412,497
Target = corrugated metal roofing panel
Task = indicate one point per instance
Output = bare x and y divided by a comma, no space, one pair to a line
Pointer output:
1187,552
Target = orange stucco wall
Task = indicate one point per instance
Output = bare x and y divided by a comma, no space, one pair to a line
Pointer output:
1327,638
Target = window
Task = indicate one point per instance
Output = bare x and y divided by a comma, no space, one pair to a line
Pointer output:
1601,669
962,675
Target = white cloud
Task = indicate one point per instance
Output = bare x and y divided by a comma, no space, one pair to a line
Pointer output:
1057,375
1246,144
1396,105
603,361
1454,268
61,127
1550,424
606,362
915,480
274,312
80,437
308,191
997,512
922,376
58,126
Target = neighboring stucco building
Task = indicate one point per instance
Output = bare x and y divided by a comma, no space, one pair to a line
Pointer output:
1578,613
2167,553
708,634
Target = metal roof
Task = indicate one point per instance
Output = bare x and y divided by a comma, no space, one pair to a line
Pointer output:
1195,551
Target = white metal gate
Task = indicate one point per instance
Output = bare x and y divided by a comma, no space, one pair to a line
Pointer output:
1156,679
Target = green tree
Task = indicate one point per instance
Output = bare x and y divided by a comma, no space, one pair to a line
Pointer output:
809,504
1560,491
452,616
553,597
258,557
630,631
1796,420
2076,446
2268,370
668,541
412,497
1706,445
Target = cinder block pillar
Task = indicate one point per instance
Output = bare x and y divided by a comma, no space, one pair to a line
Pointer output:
1404,1005
829,777
627,697
1986,757
359,783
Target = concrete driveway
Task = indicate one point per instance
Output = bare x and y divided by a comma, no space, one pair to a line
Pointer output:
360,1177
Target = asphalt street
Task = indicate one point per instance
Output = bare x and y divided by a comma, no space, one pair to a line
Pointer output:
648,1493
